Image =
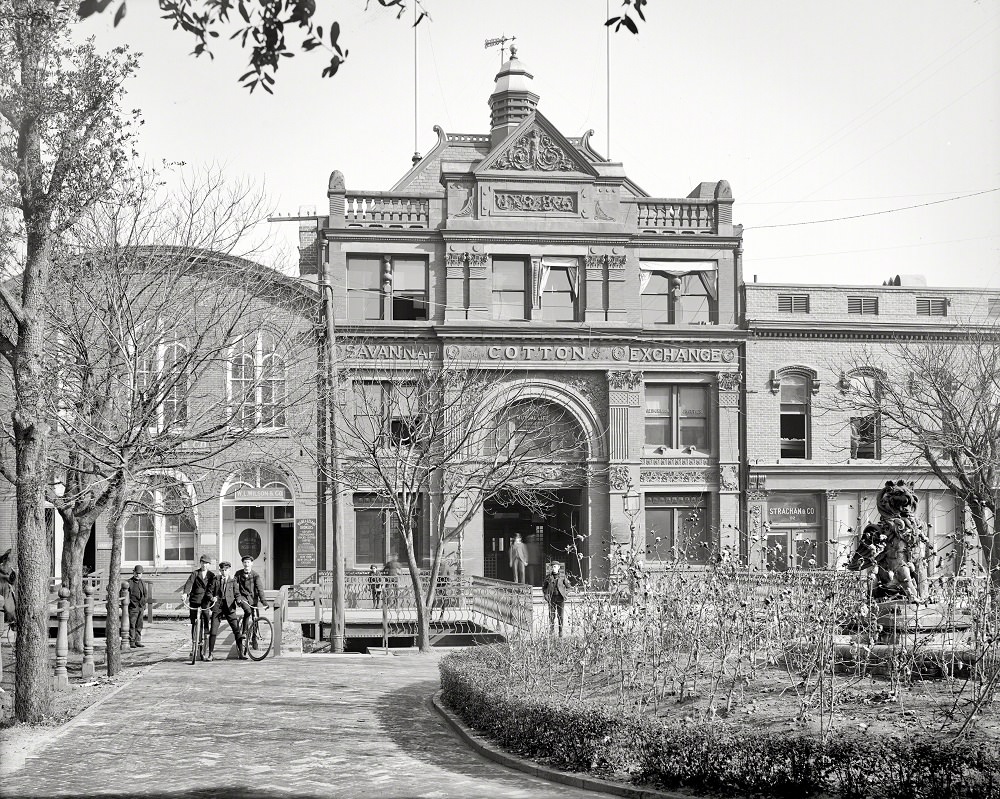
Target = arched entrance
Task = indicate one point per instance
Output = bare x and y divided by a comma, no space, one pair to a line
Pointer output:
548,505
258,519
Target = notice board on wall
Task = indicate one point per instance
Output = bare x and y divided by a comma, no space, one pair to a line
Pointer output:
305,543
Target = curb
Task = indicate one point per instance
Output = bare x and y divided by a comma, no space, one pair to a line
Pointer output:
14,763
497,755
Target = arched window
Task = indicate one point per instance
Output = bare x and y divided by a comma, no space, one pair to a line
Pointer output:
864,394
257,382
162,527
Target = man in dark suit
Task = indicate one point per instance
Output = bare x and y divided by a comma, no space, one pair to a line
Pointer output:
136,607
251,586
228,597
197,594
555,589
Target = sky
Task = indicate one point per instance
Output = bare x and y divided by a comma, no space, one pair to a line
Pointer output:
811,110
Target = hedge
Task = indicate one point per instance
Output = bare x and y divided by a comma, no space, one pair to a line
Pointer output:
713,756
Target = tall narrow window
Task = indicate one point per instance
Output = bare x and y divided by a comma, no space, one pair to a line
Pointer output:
559,294
139,539
257,382
162,384
409,289
794,424
677,417
865,437
364,288
162,526
509,288
176,388
677,528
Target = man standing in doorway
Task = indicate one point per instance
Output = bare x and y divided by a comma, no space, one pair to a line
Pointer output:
251,586
136,607
518,558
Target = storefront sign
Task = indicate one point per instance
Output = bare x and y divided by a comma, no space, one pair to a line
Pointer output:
793,509
305,543
389,352
542,353
260,494
548,352
673,354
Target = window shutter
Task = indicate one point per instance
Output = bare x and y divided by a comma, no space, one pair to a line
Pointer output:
862,305
793,303
932,306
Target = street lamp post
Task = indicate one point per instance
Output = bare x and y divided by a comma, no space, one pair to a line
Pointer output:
630,500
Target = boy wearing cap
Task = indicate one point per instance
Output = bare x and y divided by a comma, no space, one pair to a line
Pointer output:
251,587
197,593
136,607
229,597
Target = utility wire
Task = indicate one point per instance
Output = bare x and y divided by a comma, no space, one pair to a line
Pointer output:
875,213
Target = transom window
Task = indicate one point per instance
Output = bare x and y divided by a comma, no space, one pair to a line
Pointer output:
257,384
386,287
162,528
678,293
677,417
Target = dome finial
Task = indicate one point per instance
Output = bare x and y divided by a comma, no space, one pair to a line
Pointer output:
513,51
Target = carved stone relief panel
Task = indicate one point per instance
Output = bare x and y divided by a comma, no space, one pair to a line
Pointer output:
534,151
669,476
729,477
627,379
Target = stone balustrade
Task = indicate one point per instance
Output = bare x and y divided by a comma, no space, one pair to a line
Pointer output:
659,215
378,209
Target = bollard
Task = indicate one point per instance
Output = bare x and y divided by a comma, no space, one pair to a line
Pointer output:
88,630
61,678
149,601
124,624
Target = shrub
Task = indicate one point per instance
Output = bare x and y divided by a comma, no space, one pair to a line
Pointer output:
715,756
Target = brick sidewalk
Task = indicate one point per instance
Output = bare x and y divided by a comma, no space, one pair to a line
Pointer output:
309,727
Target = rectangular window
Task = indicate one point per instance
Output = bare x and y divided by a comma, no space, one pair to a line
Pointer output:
677,417
559,294
679,293
677,528
865,437
795,532
863,305
932,306
510,288
364,288
793,303
178,544
139,538
378,534
387,414
794,422
409,289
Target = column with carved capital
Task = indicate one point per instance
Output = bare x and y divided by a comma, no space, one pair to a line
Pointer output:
480,289
621,306
756,529
596,295
456,286
727,432
624,416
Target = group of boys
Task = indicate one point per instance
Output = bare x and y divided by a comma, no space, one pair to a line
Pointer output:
217,597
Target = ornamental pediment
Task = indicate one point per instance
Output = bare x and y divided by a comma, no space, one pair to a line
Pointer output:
536,146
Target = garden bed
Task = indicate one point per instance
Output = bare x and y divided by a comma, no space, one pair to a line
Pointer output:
874,745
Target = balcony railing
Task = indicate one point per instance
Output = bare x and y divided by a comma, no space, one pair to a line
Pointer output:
657,215
378,209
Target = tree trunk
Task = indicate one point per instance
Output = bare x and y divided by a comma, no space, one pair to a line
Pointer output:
112,638
71,572
987,540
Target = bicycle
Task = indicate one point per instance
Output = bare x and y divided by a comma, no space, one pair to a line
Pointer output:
200,649
258,636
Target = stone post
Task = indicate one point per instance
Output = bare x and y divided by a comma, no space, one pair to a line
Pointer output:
124,623
61,678
88,630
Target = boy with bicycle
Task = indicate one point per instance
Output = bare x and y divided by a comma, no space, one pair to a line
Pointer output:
228,597
197,595
252,588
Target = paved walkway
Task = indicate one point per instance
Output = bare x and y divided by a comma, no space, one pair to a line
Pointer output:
351,726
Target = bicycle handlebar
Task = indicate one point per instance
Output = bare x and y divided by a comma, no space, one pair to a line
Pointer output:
202,607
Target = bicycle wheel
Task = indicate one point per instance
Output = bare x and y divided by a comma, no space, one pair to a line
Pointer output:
261,634
195,645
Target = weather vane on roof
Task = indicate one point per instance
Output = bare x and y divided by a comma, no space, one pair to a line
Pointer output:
502,41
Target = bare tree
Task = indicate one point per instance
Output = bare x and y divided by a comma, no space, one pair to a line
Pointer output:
434,444
936,403
63,141
146,325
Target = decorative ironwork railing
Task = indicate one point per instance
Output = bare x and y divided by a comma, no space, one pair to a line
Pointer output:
378,209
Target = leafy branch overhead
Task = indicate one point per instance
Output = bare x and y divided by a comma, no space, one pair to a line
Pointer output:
270,29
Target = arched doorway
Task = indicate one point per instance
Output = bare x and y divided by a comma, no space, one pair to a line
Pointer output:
547,505
258,519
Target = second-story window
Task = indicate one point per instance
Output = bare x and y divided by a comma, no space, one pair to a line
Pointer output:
864,437
676,417
257,382
678,293
559,293
163,384
386,287
794,423
510,295
386,414
162,526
